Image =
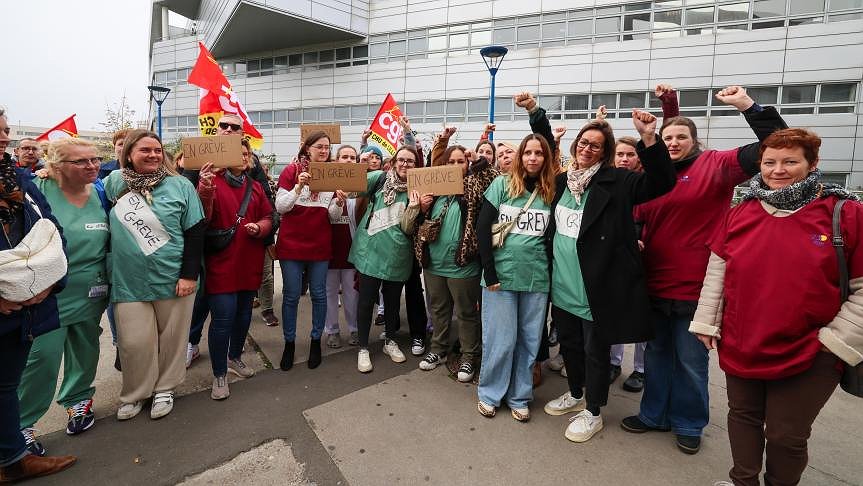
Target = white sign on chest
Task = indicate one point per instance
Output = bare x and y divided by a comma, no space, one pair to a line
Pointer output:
532,223
568,221
139,220
386,217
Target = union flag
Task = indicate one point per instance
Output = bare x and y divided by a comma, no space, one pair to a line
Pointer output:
64,129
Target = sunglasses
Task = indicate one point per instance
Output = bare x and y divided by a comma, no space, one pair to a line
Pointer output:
232,126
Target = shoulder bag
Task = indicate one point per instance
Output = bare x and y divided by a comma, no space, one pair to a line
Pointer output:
500,230
428,232
852,376
216,240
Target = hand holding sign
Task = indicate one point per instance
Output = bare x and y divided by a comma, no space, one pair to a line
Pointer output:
440,181
331,176
220,151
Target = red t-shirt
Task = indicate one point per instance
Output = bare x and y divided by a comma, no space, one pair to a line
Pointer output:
304,233
678,225
781,284
341,241
240,266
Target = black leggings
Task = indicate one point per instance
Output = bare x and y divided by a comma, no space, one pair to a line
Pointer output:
585,355
415,304
369,288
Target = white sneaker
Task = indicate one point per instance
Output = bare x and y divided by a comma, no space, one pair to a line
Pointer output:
192,353
556,363
364,362
431,361
163,403
564,404
583,426
418,347
391,349
129,410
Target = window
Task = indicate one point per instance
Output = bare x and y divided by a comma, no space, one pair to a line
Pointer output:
253,64
836,109
295,60
343,53
551,103
733,12
607,25
554,30
503,105
580,27
361,51
325,114
172,76
768,8
529,33
765,95
266,117
414,109
437,43
632,100
280,116
459,40
280,62
702,15
768,25
267,64
455,107
310,58
637,6
798,111
806,20
798,94
575,102
668,19
417,45
806,7
434,108
843,4
504,36
310,114
838,93
607,99
377,50
359,112
397,48
295,115
639,21
327,56
477,106
479,38
693,97
162,77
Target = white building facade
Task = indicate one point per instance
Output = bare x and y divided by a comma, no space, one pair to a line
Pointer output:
334,61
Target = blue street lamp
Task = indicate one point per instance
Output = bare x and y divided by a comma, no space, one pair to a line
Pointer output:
158,94
493,57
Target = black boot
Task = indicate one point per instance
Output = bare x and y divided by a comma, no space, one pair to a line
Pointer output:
287,356
315,354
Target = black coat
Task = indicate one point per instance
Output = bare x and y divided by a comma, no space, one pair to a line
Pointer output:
608,246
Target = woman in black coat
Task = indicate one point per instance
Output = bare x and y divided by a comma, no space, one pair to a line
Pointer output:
599,294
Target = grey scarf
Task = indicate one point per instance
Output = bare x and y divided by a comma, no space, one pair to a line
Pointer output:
578,179
233,180
796,195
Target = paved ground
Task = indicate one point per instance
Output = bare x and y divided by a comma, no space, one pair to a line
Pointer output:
396,425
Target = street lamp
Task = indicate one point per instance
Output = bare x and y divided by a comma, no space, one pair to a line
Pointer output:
159,93
493,57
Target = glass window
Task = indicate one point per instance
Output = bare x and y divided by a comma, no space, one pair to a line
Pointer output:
361,51
549,17
240,67
459,28
575,102
528,33
579,14
162,77
804,93
310,58
295,59
798,111
266,116
639,21
632,100
361,63
580,27
695,97
325,114
768,8
666,20
377,50
836,109
533,19
310,114
765,95
733,11
480,38
607,38
172,76
455,107
723,112
359,112
437,43
636,6
434,108
327,56
397,48
295,115
554,30
459,52
768,25
607,10
806,7
843,18
731,28
417,45
343,53
171,121
480,25
414,109
607,25
477,106
504,22
503,105
551,103
280,116
418,33
805,20
668,3
267,63
843,4
703,15
607,99
280,61
837,93
693,113
342,113
438,30
553,43
458,40
398,35
504,36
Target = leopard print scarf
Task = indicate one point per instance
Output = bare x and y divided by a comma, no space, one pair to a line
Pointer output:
144,183
392,186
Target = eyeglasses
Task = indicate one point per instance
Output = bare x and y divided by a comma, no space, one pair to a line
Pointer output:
232,126
402,161
29,149
585,145
85,162
321,147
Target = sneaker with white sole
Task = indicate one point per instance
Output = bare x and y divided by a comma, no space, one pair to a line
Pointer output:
520,414
81,417
391,349
556,363
334,341
33,446
465,372
129,410
355,339
163,403
220,389
431,361
192,353
564,404
237,367
364,361
583,426
418,347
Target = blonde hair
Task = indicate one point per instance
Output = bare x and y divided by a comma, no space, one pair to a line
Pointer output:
547,174
58,150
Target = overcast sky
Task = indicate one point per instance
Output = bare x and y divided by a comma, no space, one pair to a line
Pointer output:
65,57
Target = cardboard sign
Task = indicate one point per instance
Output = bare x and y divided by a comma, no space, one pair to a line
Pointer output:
334,132
331,176
442,180
221,150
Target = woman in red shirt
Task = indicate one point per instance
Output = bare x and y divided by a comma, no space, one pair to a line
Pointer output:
234,274
781,351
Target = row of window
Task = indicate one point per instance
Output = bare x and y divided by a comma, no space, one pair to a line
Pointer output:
789,99
657,19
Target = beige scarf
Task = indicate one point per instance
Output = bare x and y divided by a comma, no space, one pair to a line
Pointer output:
578,179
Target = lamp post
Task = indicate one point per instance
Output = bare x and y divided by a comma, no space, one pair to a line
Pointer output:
493,57
159,93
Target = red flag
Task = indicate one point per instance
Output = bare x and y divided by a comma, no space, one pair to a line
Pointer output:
64,129
385,128
217,98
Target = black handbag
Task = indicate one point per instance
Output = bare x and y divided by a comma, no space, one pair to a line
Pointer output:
216,240
852,376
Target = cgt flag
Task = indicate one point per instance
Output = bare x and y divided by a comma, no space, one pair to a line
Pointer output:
64,129
386,131
217,98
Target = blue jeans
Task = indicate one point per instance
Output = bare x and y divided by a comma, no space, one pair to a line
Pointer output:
232,314
511,330
292,283
13,358
199,316
675,372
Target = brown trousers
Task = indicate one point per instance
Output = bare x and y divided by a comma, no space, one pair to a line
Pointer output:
780,413
152,339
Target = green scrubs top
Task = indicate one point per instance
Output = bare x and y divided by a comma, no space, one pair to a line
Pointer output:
442,251
86,231
521,264
147,240
380,248
567,289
